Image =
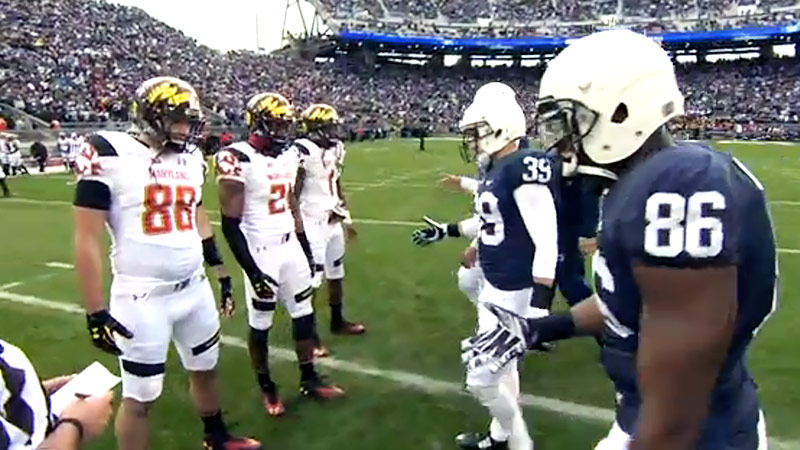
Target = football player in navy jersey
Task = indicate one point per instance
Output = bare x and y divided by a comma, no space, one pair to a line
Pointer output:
517,251
686,268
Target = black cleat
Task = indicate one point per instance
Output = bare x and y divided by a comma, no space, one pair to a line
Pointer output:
479,441
319,389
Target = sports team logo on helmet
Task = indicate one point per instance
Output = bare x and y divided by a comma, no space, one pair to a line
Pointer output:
321,122
162,102
270,115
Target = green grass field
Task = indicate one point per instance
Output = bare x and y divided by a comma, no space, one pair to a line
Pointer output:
404,377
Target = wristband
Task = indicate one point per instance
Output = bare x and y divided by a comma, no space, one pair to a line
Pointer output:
211,252
452,230
542,297
74,422
554,327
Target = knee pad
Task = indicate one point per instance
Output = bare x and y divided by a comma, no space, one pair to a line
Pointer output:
142,389
260,313
303,327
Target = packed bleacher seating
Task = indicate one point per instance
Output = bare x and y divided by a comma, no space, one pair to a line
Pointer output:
78,60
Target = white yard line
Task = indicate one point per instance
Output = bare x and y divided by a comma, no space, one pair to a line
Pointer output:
18,283
401,223
407,379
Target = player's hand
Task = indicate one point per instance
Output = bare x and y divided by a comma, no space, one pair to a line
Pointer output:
426,236
587,246
350,233
451,181
469,257
54,384
263,286
101,326
92,412
492,350
226,303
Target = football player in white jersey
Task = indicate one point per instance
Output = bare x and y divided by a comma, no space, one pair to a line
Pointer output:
5,149
264,230
323,207
74,144
147,190
63,150
3,184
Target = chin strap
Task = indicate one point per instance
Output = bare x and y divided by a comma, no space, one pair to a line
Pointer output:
597,172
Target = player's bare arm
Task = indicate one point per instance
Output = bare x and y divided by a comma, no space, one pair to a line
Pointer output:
688,319
294,206
213,258
92,202
89,230
340,192
299,181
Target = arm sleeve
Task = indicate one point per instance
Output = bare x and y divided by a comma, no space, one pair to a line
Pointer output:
590,208
238,244
469,184
538,211
470,227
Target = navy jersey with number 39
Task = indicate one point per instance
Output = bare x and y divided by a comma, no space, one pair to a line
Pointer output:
505,247
687,206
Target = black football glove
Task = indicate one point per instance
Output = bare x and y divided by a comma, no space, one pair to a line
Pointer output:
101,326
264,286
226,304
435,232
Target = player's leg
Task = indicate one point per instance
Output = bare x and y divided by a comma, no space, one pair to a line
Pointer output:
142,363
295,294
498,393
4,186
762,431
315,232
509,381
470,282
616,439
260,312
196,333
334,273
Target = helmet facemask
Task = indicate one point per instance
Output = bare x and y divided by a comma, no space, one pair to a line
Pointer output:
471,141
162,104
324,133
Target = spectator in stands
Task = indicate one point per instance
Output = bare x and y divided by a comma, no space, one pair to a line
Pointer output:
57,75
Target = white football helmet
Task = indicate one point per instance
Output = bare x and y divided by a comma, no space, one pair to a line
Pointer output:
606,94
492,121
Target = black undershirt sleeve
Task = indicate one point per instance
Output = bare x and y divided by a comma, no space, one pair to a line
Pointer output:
238,244
92,194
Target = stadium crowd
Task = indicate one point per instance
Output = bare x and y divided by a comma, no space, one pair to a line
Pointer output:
89,73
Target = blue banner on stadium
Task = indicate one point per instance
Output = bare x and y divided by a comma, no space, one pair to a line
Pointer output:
545,43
